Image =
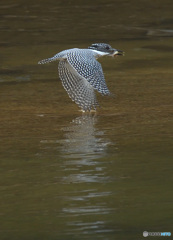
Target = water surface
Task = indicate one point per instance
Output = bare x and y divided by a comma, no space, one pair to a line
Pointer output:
68,175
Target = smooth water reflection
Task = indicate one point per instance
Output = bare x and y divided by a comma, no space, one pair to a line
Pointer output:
84,145
84,148
83,141
81,147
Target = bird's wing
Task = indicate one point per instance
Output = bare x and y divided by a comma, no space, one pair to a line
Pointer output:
85,64
77,87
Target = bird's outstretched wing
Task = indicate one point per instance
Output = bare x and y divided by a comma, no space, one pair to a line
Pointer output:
77,87
85,64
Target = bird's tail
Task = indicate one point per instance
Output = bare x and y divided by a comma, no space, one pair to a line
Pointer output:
48,60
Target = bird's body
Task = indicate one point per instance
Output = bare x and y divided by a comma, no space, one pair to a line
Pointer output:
81,74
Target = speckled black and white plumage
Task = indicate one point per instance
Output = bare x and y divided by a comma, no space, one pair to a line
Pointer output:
78,89
81,74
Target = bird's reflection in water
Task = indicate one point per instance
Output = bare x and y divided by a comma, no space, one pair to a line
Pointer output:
82,147
85,168
81,159
82,150
83,141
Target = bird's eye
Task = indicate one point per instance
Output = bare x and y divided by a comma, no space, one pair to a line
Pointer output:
107,47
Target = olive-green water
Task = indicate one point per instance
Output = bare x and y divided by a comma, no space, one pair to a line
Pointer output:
65,175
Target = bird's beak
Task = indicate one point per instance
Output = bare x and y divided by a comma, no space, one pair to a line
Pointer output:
117,52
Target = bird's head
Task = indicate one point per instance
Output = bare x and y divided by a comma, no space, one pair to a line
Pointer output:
105,49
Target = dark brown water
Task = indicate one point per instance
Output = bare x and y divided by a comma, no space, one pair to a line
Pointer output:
68,175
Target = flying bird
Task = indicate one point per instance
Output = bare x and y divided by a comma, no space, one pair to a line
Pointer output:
81,74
